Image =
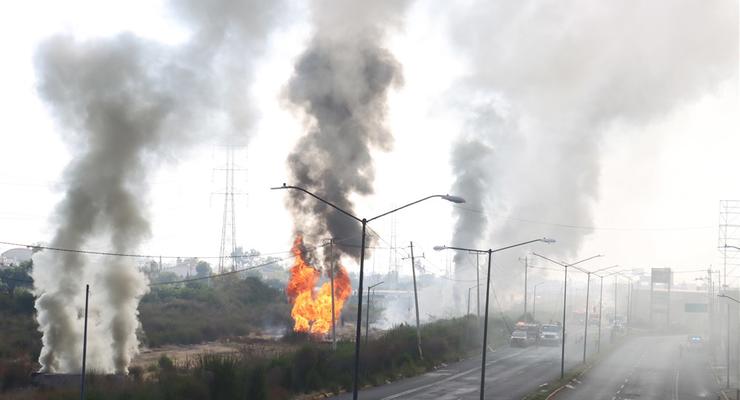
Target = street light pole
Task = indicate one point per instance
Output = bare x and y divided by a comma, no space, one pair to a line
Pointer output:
333,322
728,332
367,317
562,339
565,299
615,303
364,222
469,289
477,281
726,246
629,297
485,330
84,347
585,325
601,311
489,252
416,303
526,267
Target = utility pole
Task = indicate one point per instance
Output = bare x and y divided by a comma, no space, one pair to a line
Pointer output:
562,337
585,324
367,316
534,301
477,282
526,267
615,303
331,277
629,306
724,288
84,346
710,301
416,303
601,313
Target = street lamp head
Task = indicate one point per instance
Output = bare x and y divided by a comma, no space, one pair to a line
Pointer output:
454,199
547,240
439,248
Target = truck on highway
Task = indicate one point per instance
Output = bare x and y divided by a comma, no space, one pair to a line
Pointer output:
551,334
524,334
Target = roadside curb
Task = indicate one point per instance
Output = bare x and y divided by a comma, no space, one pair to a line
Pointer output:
580,374
554,393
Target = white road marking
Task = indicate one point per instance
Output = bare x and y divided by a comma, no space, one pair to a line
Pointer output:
449,378
675,393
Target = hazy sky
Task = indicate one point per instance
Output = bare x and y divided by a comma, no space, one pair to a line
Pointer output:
659,182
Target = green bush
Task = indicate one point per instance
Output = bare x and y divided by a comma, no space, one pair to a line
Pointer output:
197,313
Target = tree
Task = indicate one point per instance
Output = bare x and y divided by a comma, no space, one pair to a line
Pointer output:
16,277
202,269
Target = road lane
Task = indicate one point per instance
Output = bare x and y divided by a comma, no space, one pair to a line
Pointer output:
648,367
511,373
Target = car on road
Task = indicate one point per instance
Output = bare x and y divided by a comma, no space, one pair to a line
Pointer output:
695,342
521,339
550,334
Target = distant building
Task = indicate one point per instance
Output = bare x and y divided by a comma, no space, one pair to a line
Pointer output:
184,267
15,257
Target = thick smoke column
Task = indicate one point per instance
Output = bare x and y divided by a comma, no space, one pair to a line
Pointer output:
126,104
473,156
569,73
341,82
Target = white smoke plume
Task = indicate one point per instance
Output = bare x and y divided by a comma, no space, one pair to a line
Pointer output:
126,104
567,73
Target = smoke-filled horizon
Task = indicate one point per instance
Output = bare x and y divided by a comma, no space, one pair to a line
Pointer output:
547,96
341,83
125,105
566,81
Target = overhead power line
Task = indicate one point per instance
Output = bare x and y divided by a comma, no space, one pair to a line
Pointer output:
236,271
184,280
585,227
118,254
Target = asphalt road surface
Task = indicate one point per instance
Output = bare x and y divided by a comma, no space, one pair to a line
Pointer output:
648,367
511,373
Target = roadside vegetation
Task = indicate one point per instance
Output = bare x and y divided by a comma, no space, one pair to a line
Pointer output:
211,309
313,368
20,341
207,310
181,314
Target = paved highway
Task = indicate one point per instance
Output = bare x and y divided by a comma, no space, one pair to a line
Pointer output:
649,367
511,373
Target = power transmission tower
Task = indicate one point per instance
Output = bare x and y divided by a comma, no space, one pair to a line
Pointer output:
227,252
729,236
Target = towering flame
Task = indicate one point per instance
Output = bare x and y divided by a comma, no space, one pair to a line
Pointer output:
311,307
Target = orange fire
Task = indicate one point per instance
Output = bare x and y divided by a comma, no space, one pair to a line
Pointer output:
311,307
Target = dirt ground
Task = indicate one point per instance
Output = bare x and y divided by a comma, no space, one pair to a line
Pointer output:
249,345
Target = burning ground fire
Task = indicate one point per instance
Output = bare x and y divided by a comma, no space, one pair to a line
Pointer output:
312,306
